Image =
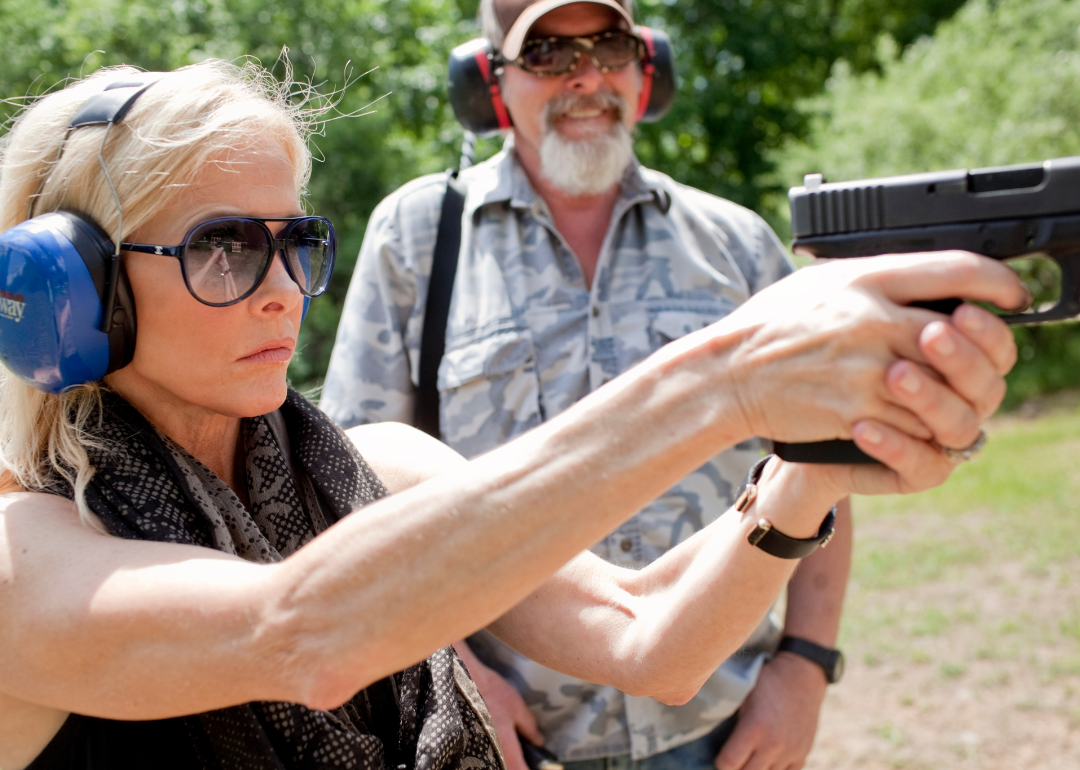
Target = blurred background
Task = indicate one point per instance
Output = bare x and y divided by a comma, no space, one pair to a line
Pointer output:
963,629
768,90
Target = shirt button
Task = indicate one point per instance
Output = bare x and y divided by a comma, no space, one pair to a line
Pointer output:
596,311
626,545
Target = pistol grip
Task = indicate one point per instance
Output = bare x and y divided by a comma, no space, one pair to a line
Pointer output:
835,452
946,306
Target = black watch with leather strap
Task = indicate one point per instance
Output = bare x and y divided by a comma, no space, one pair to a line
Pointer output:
830,660
770,540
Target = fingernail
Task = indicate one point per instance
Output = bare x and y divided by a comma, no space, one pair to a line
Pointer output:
870,434
909,382
944,345
972,321
1029,299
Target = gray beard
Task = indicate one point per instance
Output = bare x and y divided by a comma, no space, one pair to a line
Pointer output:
586,166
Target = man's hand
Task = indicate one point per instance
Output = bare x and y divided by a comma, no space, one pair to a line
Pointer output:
779,718
508,709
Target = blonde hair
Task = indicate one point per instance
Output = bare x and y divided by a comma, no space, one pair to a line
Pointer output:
190,116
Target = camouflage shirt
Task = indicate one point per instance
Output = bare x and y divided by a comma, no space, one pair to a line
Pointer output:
526,338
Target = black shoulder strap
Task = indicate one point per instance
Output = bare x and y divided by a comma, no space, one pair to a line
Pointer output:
440,287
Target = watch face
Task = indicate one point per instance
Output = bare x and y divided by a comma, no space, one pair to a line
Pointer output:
831,661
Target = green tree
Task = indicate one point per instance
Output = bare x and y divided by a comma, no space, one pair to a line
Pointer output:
996,85
745,66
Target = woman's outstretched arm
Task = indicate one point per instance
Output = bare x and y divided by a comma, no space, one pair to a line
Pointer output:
142,630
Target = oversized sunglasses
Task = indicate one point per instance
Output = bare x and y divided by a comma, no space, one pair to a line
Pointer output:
551,56
224,260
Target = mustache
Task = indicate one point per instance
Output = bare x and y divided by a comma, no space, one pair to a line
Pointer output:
570,102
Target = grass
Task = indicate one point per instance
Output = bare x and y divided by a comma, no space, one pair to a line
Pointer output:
1021,498
1019,502
931,623
949,670
962,619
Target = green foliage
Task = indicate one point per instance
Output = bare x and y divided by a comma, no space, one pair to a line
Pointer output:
1015,504
996,85
744,65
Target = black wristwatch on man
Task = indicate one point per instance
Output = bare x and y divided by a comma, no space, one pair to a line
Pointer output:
831,661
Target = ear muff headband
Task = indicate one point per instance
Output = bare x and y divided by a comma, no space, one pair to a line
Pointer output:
114,102
107,108
477,100
67,315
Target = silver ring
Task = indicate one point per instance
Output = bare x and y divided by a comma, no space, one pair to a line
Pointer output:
967,453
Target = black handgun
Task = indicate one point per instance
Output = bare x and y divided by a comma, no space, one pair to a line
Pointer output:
1004,213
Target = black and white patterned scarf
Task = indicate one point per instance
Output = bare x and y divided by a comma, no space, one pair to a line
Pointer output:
146,487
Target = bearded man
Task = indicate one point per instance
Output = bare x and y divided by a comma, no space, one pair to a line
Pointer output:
575,264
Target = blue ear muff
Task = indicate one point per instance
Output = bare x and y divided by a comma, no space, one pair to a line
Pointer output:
54,273
67,315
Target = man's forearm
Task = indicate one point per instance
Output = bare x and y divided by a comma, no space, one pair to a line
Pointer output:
816,591
779,718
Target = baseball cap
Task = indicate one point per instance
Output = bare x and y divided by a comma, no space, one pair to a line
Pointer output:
518,16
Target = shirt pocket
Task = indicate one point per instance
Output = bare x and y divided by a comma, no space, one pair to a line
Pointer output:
489,390
669,324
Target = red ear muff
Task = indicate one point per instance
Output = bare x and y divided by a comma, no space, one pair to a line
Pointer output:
648,71
657,75
483,60
474,89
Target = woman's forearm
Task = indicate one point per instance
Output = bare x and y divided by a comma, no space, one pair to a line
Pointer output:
382,589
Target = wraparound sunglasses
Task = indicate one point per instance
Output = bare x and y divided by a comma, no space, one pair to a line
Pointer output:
552,56
225,260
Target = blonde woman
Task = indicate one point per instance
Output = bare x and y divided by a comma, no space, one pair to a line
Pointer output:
181,585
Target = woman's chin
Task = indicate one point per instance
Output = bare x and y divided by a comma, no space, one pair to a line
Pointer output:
263,397
247,397
229,393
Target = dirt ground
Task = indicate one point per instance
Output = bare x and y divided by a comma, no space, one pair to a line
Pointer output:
977,668
988,678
